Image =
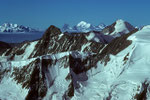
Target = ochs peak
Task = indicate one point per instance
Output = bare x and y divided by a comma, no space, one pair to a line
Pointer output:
53,30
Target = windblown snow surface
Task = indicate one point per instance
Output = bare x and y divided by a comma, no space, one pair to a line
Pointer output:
124,77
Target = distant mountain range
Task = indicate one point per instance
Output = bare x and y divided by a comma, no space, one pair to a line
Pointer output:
83,27
10,27
119,26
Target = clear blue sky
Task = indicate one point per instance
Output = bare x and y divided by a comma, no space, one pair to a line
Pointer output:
42,13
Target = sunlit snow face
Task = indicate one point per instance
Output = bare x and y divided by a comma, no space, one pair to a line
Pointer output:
120,26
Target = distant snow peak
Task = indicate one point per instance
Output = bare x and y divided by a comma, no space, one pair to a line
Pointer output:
10,27
118,28
83,27
84,24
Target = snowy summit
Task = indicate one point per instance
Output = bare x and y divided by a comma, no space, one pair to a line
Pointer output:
118,28
84,24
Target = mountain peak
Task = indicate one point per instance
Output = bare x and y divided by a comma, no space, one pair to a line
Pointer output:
52,30
118,28
120,21
121,26
84,24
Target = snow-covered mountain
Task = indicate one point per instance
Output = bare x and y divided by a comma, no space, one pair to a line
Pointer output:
9,27
83,27
74,67
118,28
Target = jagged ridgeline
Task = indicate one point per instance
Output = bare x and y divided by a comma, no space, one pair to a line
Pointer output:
53,41
64,66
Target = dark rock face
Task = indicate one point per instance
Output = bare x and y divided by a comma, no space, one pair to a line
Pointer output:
109,29
4,46
129,26
43,44
144,92
34,85
77,64
51,31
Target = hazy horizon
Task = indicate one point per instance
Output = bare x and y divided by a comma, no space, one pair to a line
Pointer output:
42,14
